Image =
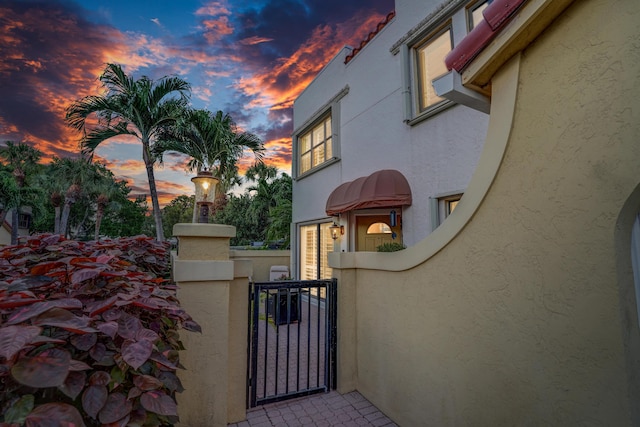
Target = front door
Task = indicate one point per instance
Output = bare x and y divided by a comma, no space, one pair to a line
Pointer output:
374,230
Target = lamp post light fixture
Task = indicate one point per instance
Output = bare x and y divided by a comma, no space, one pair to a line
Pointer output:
336,230
205,185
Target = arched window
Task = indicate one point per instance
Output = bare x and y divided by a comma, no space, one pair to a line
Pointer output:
379,228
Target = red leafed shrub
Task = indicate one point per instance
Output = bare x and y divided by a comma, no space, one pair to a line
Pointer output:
88,333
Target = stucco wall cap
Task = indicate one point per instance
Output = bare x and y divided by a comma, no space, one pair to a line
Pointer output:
519,26
204,230
496,15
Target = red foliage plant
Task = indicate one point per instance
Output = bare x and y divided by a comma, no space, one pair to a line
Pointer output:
88,333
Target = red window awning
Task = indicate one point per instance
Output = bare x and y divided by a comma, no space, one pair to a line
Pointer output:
382,189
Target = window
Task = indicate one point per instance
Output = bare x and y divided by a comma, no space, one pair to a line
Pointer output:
430,64
315,146
315,244
442,206
24,220
450,205
379,228
316,142
475,13
423,49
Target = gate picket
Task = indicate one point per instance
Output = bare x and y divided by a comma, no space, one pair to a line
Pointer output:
292,339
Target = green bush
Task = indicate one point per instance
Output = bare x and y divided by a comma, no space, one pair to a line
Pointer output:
88,333
390,247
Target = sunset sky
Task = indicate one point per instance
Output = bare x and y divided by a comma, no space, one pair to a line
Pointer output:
249,58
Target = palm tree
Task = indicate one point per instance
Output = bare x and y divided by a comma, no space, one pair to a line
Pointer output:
9,194
79,178
261,172
139,108
271,203
105,191
280,213
22,160
214,143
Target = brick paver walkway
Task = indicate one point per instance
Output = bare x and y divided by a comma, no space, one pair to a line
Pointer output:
325,409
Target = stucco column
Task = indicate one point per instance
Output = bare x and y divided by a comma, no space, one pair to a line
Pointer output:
347,380
215,360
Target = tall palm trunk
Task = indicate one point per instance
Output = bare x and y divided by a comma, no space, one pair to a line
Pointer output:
56,201
157,214
70,197
102,202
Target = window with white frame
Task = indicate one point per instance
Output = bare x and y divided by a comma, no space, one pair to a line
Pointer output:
430,54
474,13
316,143
315,245
315,146
423,49
442,206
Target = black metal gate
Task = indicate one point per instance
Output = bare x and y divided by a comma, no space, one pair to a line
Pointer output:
292,339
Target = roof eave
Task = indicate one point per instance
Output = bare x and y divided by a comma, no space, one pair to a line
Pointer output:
490,54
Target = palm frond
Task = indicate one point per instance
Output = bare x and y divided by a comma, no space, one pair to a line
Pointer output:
90,141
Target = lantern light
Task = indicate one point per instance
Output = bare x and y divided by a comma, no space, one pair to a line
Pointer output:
204,198
336,231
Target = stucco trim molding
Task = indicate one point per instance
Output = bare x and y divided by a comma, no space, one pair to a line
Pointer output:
505,87
203,230
203,271
322,110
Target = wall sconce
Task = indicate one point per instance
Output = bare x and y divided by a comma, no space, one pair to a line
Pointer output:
205,185
336,231
393,218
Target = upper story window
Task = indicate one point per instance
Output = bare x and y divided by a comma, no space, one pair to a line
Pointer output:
423,49
475,13
315,146
430,56
316,142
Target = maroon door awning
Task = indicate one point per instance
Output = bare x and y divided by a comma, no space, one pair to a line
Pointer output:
382,189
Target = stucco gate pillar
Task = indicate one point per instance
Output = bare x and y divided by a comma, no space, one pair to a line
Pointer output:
212,288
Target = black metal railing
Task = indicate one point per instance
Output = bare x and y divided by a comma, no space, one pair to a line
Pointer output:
292,339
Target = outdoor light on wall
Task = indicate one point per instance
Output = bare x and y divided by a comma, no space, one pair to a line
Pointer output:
336,231
393,218
205,185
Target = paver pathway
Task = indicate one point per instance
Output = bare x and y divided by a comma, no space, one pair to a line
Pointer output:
325,409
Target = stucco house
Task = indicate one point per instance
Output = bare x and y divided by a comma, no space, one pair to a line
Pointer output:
522,308
375,150
24,222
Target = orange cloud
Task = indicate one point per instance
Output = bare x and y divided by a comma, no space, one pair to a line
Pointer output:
279,153
304,64
213,9
202,93
215,29
125,167
250,41
167,191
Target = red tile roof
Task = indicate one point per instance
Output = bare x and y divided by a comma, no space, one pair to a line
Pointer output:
496,16
371,35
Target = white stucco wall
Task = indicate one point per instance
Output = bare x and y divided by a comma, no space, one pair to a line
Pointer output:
437,155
